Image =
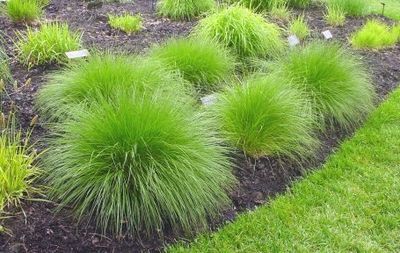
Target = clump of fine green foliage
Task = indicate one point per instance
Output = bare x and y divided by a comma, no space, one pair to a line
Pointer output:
184,9
299,27
259,5
46,45
100,77
299,3
247,34
139,164
23,10
127,23
375,35
4,69
201,62
335,16
349,7
266,117
17,164
333,78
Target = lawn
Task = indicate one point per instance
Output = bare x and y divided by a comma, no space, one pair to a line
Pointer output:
350,205
392,8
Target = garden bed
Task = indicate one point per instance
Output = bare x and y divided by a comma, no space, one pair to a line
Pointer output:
37,229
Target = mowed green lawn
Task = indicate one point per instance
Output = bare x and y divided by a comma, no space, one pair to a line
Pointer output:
392,7
351,205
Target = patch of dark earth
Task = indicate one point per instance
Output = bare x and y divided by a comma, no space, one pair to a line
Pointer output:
39,229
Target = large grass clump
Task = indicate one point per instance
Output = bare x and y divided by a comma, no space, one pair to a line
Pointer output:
375,35
247,34
184,9
266,117
100,77
139,164
126,22
46,45
23,10
354,8
201,62
17,165
334,79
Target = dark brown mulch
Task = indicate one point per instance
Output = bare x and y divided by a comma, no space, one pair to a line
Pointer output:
40,230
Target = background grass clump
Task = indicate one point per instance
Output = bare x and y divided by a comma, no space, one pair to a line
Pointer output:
184,9
46,45
5,74
100,77
247,34
353,8
139,164
299,27
375,35
201,62
127,23
299,3
23,10
335,16
259,5
17,165
266,117
333,78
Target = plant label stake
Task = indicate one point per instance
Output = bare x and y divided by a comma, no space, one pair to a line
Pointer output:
77,54
327,34
293,40
383,8
209,100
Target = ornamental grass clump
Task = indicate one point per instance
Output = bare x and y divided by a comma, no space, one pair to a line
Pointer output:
353,8
139,164
375,35
4,68
299,27
266,117
247,34
335,16
334,79
184,9
23,10
201,62
100,77
299,3
46,45
259,5
127,23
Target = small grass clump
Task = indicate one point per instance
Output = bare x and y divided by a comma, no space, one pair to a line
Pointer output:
46,45
23,10
266,117
139,164
4,69
17,165
334,80
375,35
184,9
353,8
200,62
247,34
299,27
335,16
299,3
100,77
127,23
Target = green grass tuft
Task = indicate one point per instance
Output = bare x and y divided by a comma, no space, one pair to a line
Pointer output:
5,74
200,62
184,9
354,8
23,10
375,35
266,117
335,16
334,80
46,45
259,5
247,34
139,164
100,77
299,27
127,23
299,3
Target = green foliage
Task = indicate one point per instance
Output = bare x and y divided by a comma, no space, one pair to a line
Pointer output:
374,34
200,62
299,27
100,77
280,12
266,117
259,5
184,9
4,69
349,7
335,16
139,163
46,45
127,23
241,30
17,165
334,80
23,10
299,3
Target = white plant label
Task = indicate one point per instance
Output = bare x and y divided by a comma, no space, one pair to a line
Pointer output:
327,34
77,54
293,40
209,100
